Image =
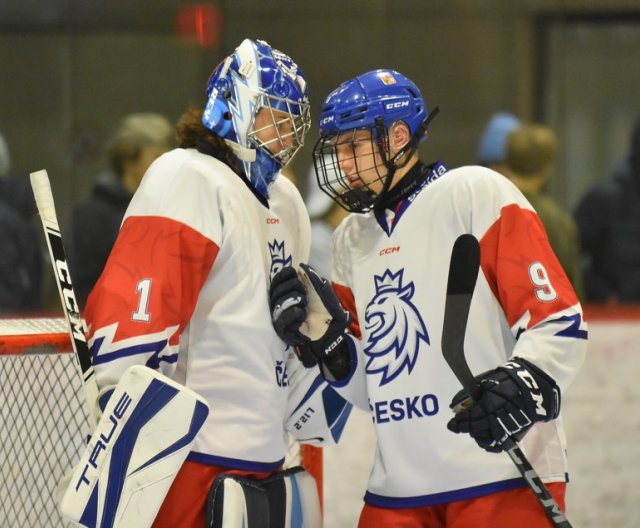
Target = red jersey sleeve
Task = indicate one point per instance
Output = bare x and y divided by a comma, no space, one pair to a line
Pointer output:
152,278
521,268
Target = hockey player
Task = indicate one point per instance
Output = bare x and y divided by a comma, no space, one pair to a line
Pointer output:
525,333
185,289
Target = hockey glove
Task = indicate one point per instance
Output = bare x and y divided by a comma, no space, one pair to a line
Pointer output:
319,336
288,302
513,397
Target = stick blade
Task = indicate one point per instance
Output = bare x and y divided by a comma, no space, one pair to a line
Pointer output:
465,262
463,274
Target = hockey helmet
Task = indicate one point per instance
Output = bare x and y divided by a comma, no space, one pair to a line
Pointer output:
255,77
373,101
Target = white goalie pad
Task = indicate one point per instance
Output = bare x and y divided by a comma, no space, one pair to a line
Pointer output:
142,439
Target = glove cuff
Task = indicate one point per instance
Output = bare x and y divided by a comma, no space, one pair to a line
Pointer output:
336,366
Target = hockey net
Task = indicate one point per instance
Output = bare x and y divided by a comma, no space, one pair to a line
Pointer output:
44,421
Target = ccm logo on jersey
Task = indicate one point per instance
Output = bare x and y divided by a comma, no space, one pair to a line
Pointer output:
272,220
103,440
389,250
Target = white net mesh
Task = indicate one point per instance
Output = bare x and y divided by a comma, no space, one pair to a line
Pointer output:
44,424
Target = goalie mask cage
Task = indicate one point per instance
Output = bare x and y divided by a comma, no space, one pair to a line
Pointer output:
44,422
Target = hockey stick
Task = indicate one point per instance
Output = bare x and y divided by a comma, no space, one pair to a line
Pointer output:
46,208
463,273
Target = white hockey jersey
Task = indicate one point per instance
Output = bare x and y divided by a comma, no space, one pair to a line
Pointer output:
185,291
391,270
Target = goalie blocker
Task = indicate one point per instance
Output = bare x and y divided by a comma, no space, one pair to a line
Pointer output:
140,443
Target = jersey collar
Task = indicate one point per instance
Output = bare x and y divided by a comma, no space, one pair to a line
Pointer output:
400,197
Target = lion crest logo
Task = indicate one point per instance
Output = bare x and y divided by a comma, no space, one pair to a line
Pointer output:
394,328
279,258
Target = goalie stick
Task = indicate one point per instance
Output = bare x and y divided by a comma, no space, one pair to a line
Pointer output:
46,208
463,273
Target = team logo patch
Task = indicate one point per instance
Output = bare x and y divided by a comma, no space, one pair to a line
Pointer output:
279,257
393,328
387,78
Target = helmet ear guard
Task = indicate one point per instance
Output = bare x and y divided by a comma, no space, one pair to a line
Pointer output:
216,116
219,117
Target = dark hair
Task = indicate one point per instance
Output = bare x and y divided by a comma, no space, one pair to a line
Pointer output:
191,133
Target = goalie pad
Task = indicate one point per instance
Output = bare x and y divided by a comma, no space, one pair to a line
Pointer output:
288,499
140,443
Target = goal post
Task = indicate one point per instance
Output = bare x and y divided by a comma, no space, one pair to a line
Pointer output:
44,421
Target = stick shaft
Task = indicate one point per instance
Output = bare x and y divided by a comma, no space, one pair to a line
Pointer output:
46,208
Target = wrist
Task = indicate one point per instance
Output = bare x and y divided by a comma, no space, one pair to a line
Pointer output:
336,366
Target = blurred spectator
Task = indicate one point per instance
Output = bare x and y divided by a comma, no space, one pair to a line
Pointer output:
492,146
138,141
325,215
531,152
20,242
608,218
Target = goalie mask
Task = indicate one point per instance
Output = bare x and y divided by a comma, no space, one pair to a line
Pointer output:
353,163
257,101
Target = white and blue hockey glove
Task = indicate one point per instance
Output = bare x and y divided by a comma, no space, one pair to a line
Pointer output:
308,316
513,397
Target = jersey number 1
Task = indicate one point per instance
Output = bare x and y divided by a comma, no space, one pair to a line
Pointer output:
144,289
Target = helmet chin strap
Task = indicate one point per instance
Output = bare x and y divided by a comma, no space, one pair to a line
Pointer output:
243,153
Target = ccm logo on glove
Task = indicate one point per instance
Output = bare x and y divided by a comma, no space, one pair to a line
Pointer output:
512,398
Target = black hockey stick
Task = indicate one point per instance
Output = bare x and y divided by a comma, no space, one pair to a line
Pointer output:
46,208
463,273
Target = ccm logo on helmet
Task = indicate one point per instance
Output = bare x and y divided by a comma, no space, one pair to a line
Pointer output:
397,104
326,120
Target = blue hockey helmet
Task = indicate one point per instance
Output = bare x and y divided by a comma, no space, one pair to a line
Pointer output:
373,101
379,95
256,77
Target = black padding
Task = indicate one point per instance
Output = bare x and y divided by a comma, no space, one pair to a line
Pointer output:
254,495
266,499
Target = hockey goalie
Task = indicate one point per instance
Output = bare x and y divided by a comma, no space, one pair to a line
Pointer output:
198,394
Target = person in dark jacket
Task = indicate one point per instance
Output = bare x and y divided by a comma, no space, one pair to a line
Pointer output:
139,140
20,255
608,218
